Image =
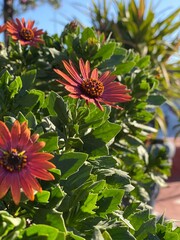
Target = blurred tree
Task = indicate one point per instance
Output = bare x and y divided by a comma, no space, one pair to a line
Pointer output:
137,27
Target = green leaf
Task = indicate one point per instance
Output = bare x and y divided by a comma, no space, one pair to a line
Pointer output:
9,225
107,131
156,100
97,187
75,143
5,78
110,201
124,68
106,236
116,176
143,62
50,217
21,118
75,237
121,233
130,209
86,34
90,203
69,163
28,79
60,108
31,118
95,117
171,236
94,146
50,102
105,52
15,86
78,178
146,228
95,142
138,218
41,231
56,197
31,99
42,197
51,140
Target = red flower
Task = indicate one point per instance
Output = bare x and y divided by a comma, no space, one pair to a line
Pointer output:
2,28
26,34
21,162
87,85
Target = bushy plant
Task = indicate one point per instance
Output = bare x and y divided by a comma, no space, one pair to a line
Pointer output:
102,167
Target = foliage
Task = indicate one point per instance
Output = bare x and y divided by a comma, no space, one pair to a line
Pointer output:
137,26
105,167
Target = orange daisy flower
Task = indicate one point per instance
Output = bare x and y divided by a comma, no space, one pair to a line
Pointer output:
89,86
2,28
21,162
25,34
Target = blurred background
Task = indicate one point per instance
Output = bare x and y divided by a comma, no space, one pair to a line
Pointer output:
53,15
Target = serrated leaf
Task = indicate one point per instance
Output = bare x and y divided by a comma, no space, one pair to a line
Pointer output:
90,203
109,202
95,142
121,233
146,228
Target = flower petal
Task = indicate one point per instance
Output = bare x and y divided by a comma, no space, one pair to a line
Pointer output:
72,82
5,135
84,68
107,78
72,71
94,74
26,186
31,179
14,29
73,90
5,185
116,97
41,156
34,147
15,133
15,188
42,174
25,135
41,164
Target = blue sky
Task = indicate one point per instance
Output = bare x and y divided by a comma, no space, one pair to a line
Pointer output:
53,20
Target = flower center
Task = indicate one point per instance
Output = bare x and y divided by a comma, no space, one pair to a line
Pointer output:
14,160
93,87
27,34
